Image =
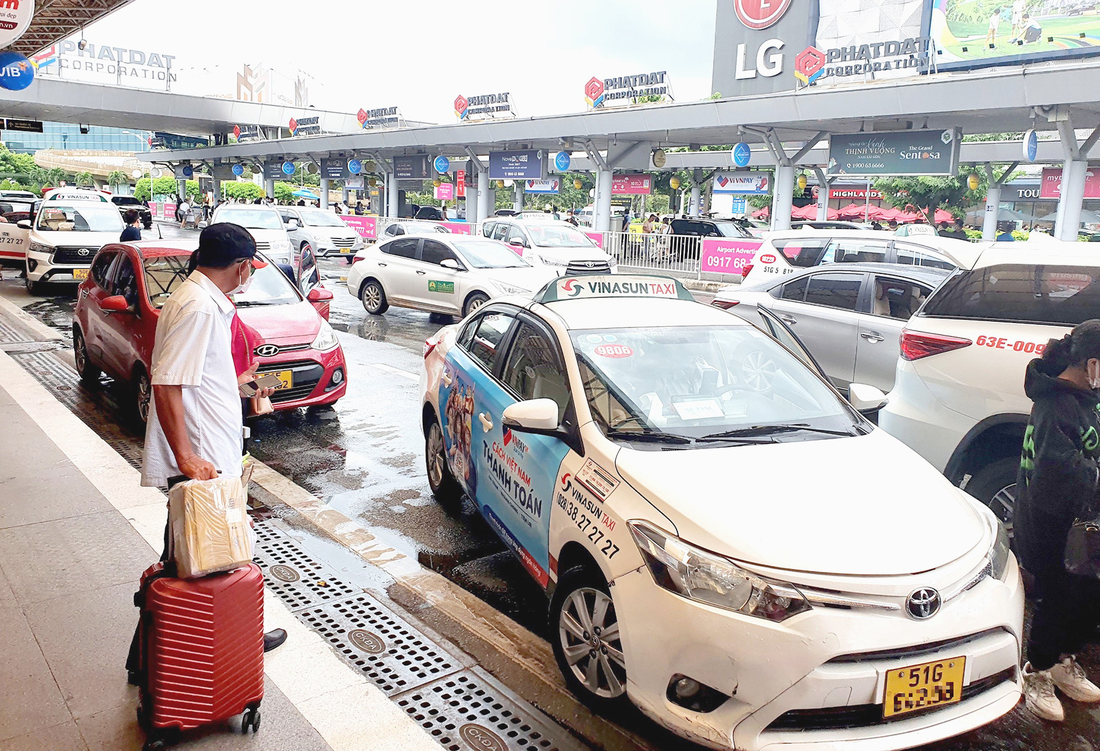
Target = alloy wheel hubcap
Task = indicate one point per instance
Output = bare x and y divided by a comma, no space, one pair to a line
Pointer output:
435,456
373,297
81,355
589,633
143,397
1003,505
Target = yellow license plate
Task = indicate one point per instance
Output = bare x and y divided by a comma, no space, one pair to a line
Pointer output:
345,250
286,379
930,684
80,274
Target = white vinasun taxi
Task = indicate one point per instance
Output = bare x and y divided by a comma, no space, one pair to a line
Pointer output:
732,547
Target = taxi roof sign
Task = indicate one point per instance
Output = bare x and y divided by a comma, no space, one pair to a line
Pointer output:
75,194
609,286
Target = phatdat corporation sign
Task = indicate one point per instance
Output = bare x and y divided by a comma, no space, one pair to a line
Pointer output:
812,64
484,106
105,63
381,117
605,92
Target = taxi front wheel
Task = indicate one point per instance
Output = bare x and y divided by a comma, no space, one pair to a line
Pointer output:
374,298
440,480
587,644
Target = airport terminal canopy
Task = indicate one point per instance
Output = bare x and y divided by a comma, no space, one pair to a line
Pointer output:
56,19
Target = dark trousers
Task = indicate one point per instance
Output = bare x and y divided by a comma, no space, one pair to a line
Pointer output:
1067,613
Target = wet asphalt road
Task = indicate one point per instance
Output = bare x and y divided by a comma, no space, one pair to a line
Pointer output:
365,458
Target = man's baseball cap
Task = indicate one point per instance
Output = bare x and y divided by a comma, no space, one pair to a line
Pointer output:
222,244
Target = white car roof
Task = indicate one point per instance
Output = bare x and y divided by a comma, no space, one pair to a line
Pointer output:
1047,252
962,253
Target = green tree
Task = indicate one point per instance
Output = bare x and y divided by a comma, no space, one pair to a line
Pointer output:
117,178
926,194
243,191
85,180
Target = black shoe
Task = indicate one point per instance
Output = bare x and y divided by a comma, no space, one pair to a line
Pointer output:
273,639
133,678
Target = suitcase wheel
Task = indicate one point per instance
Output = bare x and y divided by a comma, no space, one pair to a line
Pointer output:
251,720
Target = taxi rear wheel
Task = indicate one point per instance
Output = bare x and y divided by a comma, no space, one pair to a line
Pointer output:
440,480
374,298
995,486
473,302
88,372
143,396
587,643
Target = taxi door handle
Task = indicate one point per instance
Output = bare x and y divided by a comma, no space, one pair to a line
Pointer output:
786,318
447,380
421,273
872,337
381,264
486,423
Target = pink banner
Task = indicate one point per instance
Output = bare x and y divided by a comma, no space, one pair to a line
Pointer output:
366,226
596,237
727,256
445,192
459,228
631,185
154,209
1052,183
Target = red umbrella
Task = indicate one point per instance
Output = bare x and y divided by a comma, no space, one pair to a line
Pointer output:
860,211
943,216
809,211
761,213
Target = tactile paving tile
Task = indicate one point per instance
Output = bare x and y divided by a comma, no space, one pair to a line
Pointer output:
296,577
393,654
466,710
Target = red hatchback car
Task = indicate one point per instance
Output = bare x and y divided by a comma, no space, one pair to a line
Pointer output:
118,305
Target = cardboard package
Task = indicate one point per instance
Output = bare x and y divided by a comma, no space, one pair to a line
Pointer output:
210,526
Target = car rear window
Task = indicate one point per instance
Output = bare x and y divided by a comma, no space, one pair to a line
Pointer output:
803,252
1060,295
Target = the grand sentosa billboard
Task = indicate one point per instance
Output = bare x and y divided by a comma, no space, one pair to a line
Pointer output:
764,46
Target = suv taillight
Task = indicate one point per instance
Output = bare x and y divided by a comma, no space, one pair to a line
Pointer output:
915,345
745,270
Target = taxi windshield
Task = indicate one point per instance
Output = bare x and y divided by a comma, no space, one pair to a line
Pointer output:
488,254
321,218
91,218
269,285
252,218
704,385
550,236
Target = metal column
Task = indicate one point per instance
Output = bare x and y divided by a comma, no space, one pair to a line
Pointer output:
603,201
217,191
696,194
517,204
992,210
783,198
392,209
482,195
1074,174
324,192
269,187
823,191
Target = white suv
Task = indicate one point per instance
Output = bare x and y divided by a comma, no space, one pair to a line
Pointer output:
64,236
559,245
788,251
322,230
958,399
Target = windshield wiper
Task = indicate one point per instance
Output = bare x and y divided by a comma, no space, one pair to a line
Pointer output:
254,303
651,436
763,430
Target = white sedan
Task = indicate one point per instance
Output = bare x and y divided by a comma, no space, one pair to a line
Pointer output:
736,550
448,274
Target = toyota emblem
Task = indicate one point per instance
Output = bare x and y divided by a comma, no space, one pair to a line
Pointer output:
923,603
266,350
590,264
84,252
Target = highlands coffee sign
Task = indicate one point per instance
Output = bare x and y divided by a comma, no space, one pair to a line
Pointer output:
768,46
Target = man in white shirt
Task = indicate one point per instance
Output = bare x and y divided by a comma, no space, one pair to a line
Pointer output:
196,423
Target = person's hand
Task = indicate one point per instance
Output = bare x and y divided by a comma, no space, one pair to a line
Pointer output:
249,375
197,468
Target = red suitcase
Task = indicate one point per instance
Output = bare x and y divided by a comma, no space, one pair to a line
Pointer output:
202,651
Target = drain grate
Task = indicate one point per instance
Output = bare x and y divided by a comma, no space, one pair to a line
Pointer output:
465,711
265,533
298,579
10,334
389,651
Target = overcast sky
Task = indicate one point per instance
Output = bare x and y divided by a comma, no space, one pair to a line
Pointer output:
420,54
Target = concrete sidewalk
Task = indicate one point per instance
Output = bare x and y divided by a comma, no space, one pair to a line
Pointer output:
76,531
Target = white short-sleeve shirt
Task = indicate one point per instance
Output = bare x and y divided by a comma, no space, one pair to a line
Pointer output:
193,349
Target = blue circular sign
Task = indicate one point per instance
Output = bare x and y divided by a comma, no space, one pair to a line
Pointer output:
562,160
188,170
16,71
1031,145
288,168
742,154
238,170
442,165
355,166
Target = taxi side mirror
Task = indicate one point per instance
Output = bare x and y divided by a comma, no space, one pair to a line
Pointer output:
450,263
23,224
114,304
533,415
291,224
319,294
866,399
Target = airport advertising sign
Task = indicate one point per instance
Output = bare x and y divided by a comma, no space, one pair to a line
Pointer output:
15,17
528,164
412,167
907,152
743,183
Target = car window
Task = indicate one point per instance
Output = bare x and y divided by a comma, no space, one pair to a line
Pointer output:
485,346
100,266
90,218
795,290
487,229
855,251
124,280
898,298
286,216
802,252
911,255
405,247
515,235
835,290
162,275
436,252
533,370
394,229
500,231
1061,295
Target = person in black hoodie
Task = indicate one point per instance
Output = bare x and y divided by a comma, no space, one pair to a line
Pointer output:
1059,481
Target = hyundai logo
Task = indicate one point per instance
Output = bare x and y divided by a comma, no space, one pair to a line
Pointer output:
266,350
84,252
923,603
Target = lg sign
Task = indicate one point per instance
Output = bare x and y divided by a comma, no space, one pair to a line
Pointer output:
760,14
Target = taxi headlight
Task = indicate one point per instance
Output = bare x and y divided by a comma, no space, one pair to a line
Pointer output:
326,339
1000,552
40,248
509,289
551,261
698,575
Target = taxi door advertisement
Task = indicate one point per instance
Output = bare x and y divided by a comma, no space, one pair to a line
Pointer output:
510,475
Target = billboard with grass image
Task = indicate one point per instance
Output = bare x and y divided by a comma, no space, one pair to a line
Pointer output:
980,33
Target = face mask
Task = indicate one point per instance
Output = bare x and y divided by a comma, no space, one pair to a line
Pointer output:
242,288
1094,374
